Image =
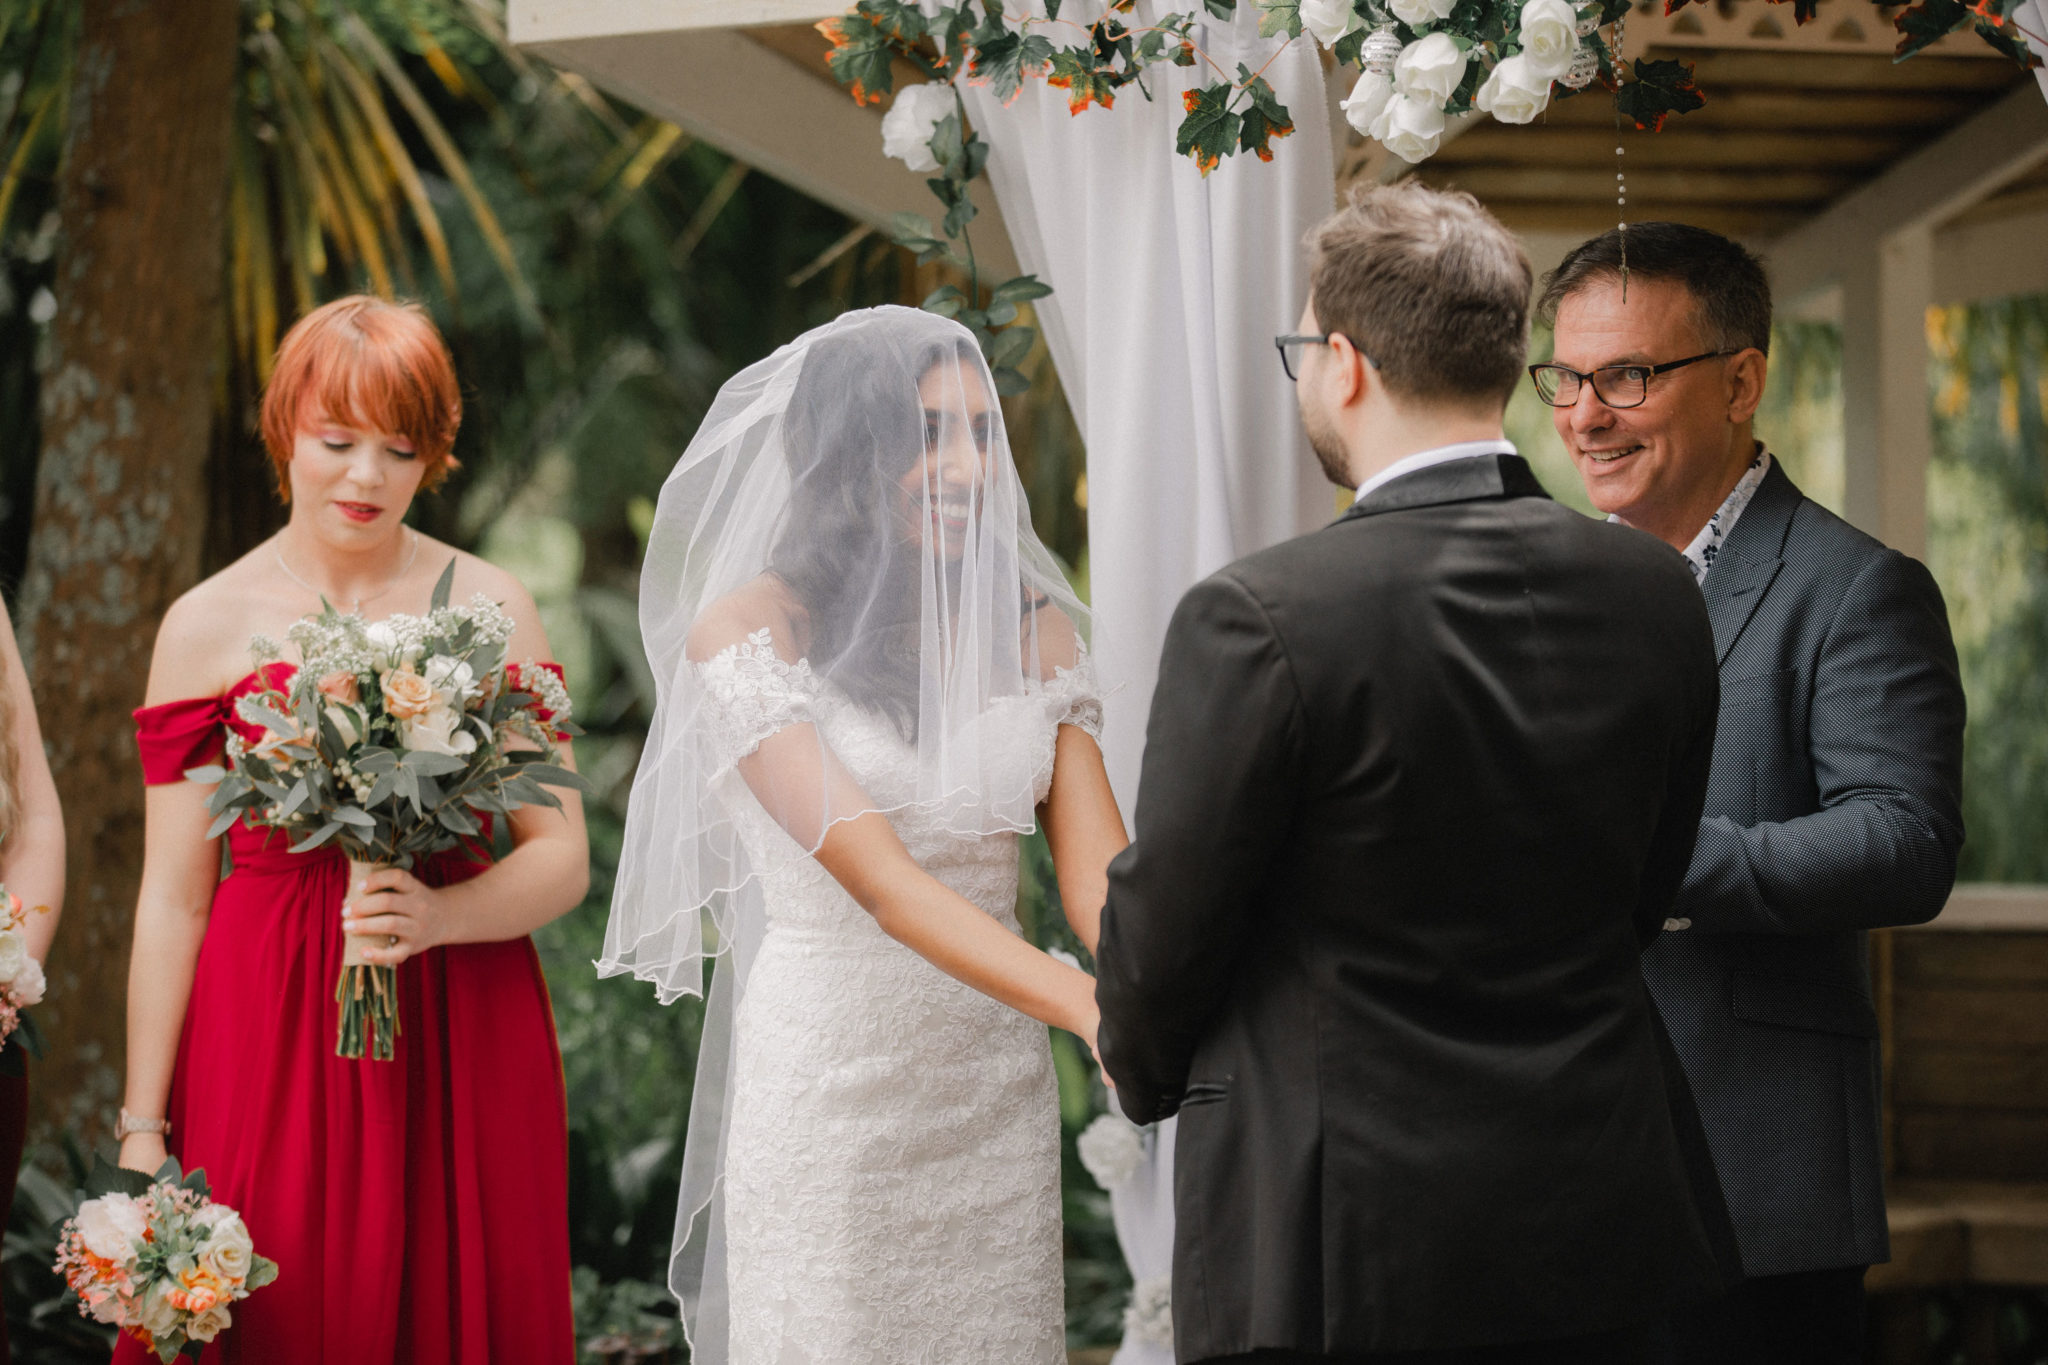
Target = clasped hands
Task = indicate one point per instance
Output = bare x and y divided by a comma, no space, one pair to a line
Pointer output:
399,915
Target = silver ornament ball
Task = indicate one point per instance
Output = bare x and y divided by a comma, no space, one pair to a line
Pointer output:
1589,20
1585,66
1381,50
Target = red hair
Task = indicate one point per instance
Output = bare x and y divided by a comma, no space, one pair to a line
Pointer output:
372,364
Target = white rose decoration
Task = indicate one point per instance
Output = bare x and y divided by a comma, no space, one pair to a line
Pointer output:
1111,1148
29,984
1367,99
13,955
227,1252
908,126
1409,130
111,1227
1514,92
1422,13
1429,70
1550,38
439,731
1329,20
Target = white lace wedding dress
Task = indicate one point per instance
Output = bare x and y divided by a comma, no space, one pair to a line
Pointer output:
892,1162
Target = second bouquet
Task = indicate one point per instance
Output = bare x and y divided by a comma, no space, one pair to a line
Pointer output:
392,742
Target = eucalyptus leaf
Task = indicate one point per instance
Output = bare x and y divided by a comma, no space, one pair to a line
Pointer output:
444,585
317,837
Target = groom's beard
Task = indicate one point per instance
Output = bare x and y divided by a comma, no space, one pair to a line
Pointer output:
1329,449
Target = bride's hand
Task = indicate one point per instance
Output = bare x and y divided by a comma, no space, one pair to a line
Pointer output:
400,915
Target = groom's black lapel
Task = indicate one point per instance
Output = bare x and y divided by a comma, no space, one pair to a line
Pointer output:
1467,480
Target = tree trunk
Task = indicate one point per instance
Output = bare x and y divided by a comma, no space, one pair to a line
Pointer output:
120,514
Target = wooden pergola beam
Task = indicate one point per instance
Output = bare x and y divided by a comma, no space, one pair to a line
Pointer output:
1957,170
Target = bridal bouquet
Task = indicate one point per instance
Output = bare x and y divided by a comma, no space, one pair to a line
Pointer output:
392,741
158,1258
21,976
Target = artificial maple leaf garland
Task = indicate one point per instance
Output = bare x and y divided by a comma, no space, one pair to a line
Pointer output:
1422,62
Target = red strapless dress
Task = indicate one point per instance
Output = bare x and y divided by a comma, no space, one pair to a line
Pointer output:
417,1208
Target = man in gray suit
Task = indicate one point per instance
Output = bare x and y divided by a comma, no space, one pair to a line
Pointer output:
1834,802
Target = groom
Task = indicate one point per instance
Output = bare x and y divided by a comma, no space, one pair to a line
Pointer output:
1417,790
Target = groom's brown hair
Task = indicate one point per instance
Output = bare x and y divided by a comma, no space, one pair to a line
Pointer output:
1430,286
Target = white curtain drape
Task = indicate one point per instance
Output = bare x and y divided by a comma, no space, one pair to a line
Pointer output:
1168,291
2033,17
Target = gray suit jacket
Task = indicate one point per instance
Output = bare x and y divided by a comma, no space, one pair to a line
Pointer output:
1834,807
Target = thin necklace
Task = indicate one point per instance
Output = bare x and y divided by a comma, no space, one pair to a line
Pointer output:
389,583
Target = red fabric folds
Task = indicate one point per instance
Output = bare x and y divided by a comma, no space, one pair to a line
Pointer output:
417,1208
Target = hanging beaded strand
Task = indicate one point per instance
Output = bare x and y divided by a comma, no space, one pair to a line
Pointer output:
1620,175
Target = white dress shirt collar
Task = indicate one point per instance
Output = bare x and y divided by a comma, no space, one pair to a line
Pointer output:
1423,459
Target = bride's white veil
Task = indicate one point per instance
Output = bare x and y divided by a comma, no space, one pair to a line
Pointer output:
845,528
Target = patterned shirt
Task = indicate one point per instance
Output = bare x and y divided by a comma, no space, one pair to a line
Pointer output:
1706,546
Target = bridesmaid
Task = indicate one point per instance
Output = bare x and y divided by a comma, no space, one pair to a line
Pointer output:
32,867
417,1208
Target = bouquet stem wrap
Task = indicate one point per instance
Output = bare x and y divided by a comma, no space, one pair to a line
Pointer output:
367,994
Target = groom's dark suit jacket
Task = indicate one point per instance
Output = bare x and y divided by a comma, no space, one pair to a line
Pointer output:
1417,789
1835,807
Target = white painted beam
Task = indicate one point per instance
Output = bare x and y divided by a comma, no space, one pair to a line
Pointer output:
1959,169
1991,259
550,21
1887,425
771,113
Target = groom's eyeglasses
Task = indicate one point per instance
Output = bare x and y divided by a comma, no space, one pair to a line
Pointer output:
1291,347
1618,386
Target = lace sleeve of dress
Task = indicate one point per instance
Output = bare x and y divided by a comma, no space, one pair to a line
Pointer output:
179,735
750,692
1073,697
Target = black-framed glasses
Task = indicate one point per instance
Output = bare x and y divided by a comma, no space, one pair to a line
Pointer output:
1618,386
1291,347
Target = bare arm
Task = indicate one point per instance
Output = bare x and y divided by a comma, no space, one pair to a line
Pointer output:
1083,828
32,859
952,933
180,867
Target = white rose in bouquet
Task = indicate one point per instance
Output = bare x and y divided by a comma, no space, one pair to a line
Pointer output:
228,1251
1422,13
210,1324
1110,1148
111,1227
1514,92
29,984
154,1311
453,681
13,955
1410,130
1329,20
1367,99
1429,70
1550,39
384,648
908,126
439,730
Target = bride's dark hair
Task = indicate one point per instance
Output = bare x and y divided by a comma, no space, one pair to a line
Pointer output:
853,429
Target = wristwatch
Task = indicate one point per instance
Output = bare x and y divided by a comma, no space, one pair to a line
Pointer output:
131,1124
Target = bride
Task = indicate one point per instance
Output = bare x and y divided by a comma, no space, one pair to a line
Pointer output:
872,677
